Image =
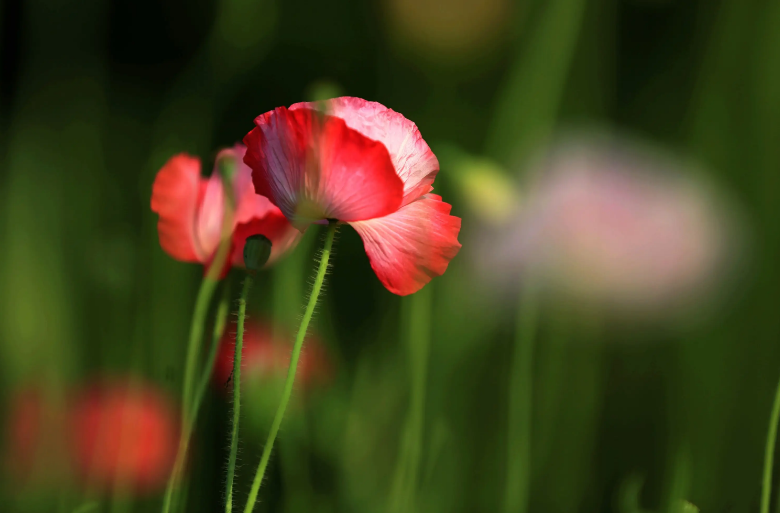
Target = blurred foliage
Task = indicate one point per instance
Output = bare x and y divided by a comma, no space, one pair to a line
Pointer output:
96,95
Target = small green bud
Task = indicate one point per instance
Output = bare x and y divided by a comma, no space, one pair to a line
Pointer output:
257,251
227,167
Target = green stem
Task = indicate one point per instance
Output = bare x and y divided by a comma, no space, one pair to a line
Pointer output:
205,292
296,353
419,347
189,407
219,328
418,339
678,483
518,473
231,471
220,322
769,453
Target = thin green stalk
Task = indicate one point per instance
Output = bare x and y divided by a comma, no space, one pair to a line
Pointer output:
231,471
518,474
535,82
418,339
289,284
196,331
220,322
219,329
769,453
419,348
296,353
679,482
207,286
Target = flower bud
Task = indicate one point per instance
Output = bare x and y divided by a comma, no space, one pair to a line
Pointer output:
227,165
257,250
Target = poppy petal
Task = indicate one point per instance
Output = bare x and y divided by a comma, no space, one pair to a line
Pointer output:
412,158
267,220
242,180
413,245
314,167
210,214
175,197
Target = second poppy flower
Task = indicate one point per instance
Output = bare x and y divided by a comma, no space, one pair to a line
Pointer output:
192,208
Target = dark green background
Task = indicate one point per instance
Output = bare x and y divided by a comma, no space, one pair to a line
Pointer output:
96,95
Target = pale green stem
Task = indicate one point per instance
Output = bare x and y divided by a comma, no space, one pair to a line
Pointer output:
518,474
231,471
207,286
289,284
296,353
418,339
769,453
679,482
220,322
223,309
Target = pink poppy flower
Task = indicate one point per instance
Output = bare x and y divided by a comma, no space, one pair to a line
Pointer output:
364,164
191,210
265,356
614,224
125,434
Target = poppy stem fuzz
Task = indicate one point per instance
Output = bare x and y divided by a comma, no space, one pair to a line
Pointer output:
231,470
296,353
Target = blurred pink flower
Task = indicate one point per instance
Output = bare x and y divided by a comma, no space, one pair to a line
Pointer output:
613,225
123,433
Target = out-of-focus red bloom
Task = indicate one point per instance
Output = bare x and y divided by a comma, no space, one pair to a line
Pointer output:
124,434
267,357
36,446
364,164
191,210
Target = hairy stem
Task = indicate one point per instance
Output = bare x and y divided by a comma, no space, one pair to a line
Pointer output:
231,471
296,353
206,291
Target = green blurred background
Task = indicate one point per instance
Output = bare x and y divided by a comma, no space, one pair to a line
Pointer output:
96,95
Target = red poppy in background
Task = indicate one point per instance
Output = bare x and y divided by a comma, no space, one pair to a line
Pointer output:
364,164
35,447
266,356
123,434
191,210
